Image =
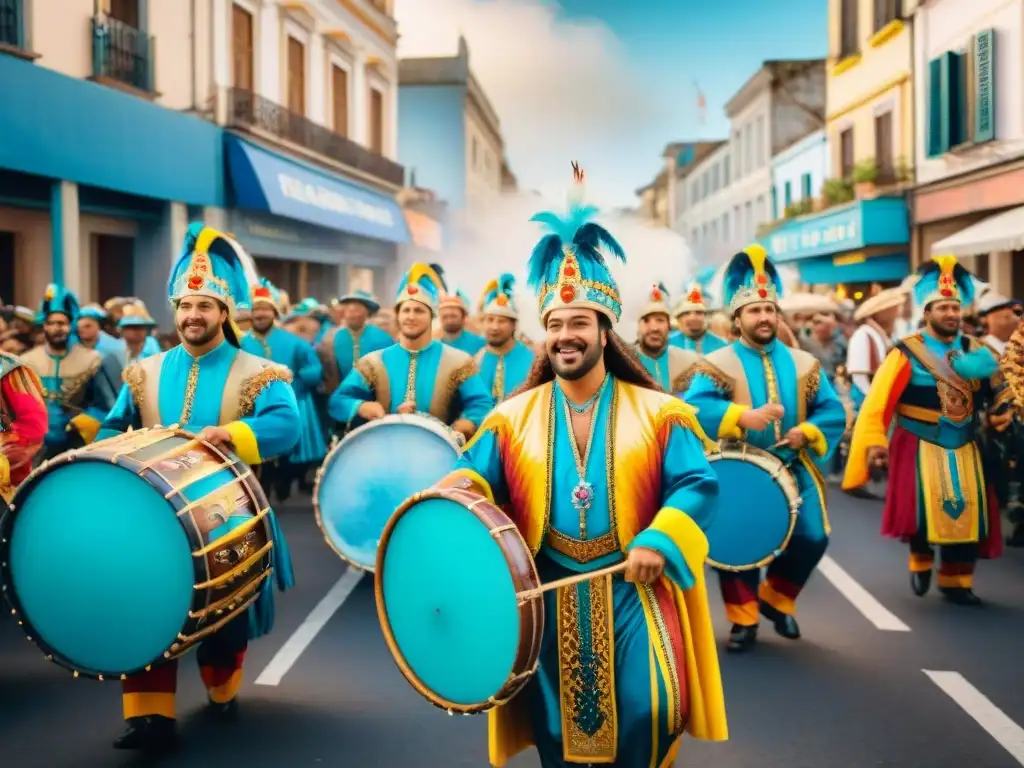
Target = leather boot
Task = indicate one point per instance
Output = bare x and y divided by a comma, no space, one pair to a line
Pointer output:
920,582
960,596
785,625
227,710
742,638
152,734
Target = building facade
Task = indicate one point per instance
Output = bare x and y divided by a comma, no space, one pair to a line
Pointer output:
307,93
728,194
858,234
449,133
969,198
798,174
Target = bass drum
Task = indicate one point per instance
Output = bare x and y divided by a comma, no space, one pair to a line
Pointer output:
370,472
758,501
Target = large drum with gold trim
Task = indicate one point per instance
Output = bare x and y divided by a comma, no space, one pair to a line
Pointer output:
130,551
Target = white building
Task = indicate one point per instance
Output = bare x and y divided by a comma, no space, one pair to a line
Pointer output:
729,194
969,143
798,173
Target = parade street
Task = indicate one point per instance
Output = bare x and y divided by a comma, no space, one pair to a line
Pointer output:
881,678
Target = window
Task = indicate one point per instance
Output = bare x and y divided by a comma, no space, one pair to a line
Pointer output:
787,194
115,266
376,121
960,96
714,178
242,53
8,257
759,143
737,148
848,42
748,151
725,171
846,153
883,146
725,225
775,202
760,212
704,185
296,77
806,192
125,11
748,219
886,11
339,100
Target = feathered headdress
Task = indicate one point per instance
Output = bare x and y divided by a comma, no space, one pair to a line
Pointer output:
136,315
266,294
750,278
59,300
942,279
421,284
567,268
693,300
657,302
497,298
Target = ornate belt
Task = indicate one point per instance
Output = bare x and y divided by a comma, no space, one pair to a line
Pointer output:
582,551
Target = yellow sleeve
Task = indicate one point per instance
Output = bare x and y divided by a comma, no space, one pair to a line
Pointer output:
815,438
244,441
729,428
872,427
86,426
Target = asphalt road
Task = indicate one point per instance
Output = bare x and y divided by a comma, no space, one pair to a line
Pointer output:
848,695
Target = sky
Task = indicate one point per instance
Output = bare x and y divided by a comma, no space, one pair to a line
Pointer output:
609,82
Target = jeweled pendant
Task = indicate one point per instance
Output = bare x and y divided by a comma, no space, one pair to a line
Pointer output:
583,496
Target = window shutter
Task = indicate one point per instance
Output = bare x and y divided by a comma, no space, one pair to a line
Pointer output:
934,108
983,86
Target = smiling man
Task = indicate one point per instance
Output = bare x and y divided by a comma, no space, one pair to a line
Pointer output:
505,362
666,363
626,480
933,384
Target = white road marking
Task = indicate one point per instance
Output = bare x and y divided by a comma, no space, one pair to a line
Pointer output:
986,714
860,598
289,653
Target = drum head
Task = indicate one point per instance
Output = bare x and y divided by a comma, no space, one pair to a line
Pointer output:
450,603
367,477
753,518
100,567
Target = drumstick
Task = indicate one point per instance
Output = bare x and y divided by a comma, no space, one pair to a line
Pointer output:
568,581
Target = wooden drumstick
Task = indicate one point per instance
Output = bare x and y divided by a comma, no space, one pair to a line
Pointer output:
568,581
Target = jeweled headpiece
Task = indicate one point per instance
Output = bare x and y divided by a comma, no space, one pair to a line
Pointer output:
657,302
497,298
421,284
751,278
943,278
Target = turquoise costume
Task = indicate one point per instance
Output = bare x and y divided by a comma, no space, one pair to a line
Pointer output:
135,315
439,379
616,683
351,345
738,377
468,342
79,392
251,399
503,370
298,356
669,368
695,300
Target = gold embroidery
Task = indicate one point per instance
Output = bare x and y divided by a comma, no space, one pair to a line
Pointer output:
498,389
587,675
813,385
369,373
935,465
190,392
254,385
666,654
135,377
462,374
410,379
717,376
773,390
580,550
356,337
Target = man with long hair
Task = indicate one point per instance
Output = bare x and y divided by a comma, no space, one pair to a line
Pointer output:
934,384
595,467
774,398
666,363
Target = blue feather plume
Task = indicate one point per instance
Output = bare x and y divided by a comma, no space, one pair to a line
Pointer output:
506,282
574,229
440,273
740,269
661,287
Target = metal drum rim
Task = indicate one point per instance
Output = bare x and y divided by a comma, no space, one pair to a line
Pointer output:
429,423
737,449
385,624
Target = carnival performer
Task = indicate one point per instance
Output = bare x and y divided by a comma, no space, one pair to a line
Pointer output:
933,384
775,398
297,355
596,466
1001,317
91,333
452,313
691,315
1012,369
667,364
870,343
418,374
136,327
344,345
23,422
79,393
227,397
505,362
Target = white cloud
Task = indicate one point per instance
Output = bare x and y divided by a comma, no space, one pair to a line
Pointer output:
563,89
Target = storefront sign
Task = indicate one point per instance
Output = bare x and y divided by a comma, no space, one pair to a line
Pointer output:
852,227
331,200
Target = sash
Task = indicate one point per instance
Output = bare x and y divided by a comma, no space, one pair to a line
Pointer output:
956,397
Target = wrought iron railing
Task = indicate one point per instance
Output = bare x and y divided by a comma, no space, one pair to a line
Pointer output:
12,23
122,52
246,109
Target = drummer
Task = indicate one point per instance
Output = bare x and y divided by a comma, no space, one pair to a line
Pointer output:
666,363
598,695
505,362
354,337
692,318
801,418
192,385
23,422
418,374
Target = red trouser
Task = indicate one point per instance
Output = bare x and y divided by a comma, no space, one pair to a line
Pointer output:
220,659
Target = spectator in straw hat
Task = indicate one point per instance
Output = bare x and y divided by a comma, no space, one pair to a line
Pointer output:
870,343
1000,317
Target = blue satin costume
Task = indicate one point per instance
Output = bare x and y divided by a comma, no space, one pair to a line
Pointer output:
465,341
349,346
738,377
78,379
669,368
504,370
257,400
695,299
702,345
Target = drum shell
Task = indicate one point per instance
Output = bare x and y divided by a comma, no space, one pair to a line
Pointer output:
227,577
524,577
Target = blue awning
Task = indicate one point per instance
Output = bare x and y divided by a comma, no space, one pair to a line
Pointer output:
264,181
854,268
851,227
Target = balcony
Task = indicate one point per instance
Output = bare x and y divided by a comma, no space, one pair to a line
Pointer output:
246,110
12,24
122,55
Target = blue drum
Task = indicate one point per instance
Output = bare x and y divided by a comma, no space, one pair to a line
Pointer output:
132,550
758,501
370,472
